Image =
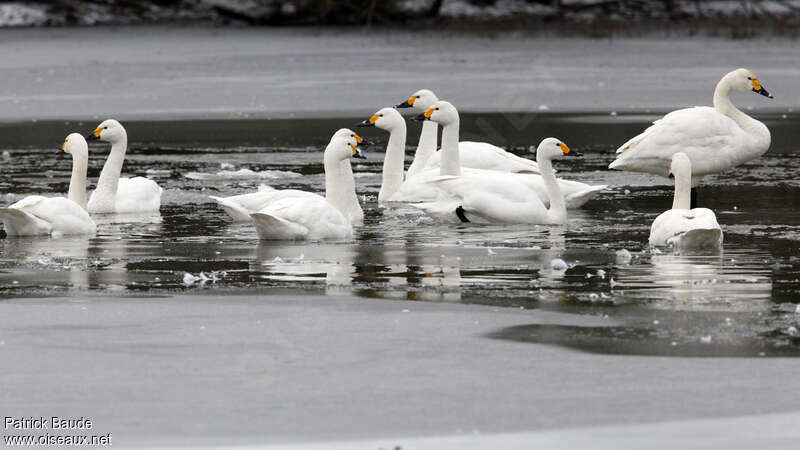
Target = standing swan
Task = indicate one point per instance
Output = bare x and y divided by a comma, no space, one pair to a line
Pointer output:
488,199
714,139
305,215
57,216
120,195
476,155
239,207
681,227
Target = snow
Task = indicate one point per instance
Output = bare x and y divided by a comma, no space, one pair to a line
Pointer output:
19,15
242,174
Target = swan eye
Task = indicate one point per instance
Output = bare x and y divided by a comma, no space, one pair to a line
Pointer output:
105,128
749,78
437,109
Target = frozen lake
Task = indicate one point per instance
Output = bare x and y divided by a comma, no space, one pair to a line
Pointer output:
414,331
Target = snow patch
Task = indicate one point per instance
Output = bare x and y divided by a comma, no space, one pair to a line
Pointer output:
242,174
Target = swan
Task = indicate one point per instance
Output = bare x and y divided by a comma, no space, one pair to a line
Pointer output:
476,155
304,215
57,216
239,207
489,197
715,139
120,195
419,189
681,227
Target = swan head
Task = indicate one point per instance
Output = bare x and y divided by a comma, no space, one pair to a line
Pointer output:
552,148
341,149
420,100
745,80
441,112
386,119
680,165
109,130
347,133
75,145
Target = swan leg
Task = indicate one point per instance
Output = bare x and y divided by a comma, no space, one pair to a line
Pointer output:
693,202
460,213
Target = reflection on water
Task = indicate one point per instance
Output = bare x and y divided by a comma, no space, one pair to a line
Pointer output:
400,254
733,281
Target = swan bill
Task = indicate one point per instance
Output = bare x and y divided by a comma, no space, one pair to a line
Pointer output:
357,152
408,103
762,91
369,122
424,116
361,141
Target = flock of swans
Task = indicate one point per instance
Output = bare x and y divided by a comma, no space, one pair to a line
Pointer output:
460,182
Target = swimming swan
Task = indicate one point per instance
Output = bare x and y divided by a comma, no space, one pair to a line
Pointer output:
476,155
57,216
304,215
419,188
489,198
239,207
681,227
120,195
714,139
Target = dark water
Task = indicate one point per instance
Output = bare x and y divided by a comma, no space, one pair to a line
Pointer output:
742,302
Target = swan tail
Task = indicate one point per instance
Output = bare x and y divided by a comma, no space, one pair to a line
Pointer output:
271,227
233,209
578,199
700,239
20,223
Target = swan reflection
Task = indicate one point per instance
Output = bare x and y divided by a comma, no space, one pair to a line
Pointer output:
700,283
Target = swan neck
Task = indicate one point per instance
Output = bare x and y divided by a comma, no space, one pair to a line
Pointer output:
109,177
450,163
335,190
723,104
425,148
77,183
558,210
683,191
393,162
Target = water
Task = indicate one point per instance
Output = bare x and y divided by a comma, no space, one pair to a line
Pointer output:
741,302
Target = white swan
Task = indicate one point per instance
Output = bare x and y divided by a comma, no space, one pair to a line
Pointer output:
304,215
57,216
239,207
120,195
476,155
419,189
681,227
715,139
490,197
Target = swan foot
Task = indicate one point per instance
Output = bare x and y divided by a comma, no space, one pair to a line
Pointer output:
693,202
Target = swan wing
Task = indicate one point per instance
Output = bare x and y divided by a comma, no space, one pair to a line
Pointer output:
482,155
686,229
37,216
316,216
137,194
486,197
239,207
712,140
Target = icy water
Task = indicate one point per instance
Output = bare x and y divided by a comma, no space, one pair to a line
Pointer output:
742,302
